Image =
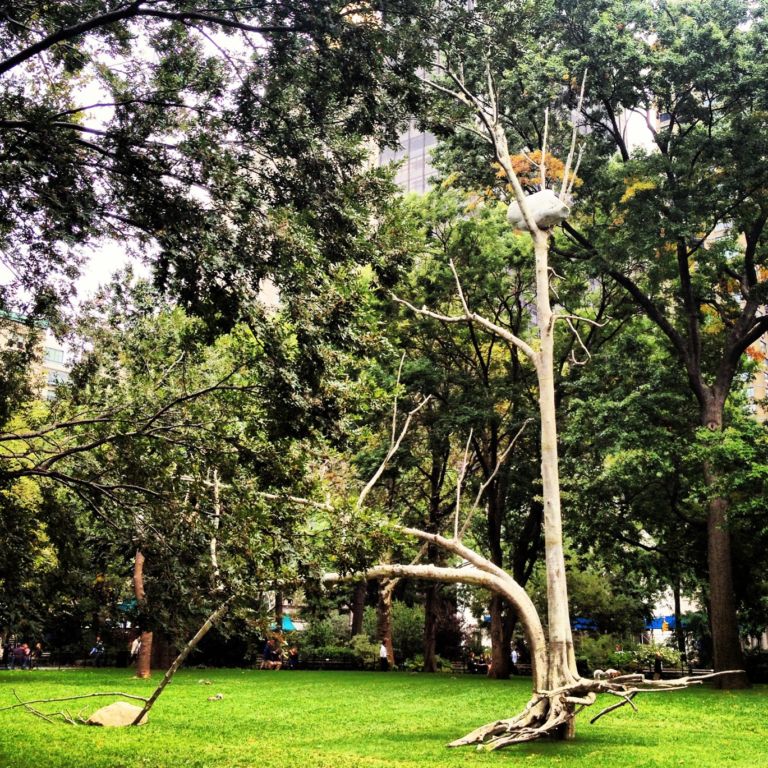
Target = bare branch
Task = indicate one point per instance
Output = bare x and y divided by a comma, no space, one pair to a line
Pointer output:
565,189
575,172
114,694
580,319
390,453
397,392
459,482
581,343
473,317
493,474
326,506
626,699
544,149
188,648
124,13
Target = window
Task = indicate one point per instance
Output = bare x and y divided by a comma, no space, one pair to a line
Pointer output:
53,355
57,377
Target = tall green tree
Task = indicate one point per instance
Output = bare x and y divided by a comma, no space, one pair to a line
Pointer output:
680,223
676,218
222,142
482,394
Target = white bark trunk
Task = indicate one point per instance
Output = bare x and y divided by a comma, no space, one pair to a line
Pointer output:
561,656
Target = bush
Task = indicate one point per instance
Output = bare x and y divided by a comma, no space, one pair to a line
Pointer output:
334,653
416,664
646,655
600,653
756,663
407,628
366,653
330,631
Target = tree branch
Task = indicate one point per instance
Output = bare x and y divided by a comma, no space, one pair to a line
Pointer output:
130,11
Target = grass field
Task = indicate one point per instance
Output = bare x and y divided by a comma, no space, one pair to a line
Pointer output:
349,719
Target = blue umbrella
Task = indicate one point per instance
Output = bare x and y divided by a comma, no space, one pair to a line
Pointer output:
287,624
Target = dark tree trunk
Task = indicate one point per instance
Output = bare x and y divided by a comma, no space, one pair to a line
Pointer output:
679,633
431,611
163,652
384,617
500,635
278,611
358,608
144,659
725,628
501,639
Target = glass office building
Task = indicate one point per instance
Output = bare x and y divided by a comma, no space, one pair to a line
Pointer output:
414,155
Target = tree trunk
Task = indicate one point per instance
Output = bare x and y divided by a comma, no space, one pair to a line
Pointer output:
722,601
384,618
500,646
562,660
358,608
144,659
431,606
278,611
501,638
679,632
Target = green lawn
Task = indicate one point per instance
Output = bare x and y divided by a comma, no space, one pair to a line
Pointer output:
348,719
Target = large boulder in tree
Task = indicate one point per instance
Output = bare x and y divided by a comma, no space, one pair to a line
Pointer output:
545,207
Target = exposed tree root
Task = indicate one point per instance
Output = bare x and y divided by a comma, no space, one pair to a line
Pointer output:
551,713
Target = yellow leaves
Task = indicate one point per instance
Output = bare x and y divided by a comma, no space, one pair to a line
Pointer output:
24,493
475,201
527,167
757,354
633,186
666,249
449,180
713,323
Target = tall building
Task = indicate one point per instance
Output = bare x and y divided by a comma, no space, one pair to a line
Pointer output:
415,155
49,367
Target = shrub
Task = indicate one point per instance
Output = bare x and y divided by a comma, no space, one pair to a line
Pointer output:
756,663
334,653
597,653
366,653
330,631
646,655
407,628
600,653
416,664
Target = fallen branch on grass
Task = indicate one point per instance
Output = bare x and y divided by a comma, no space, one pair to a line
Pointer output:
113,694
139,716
